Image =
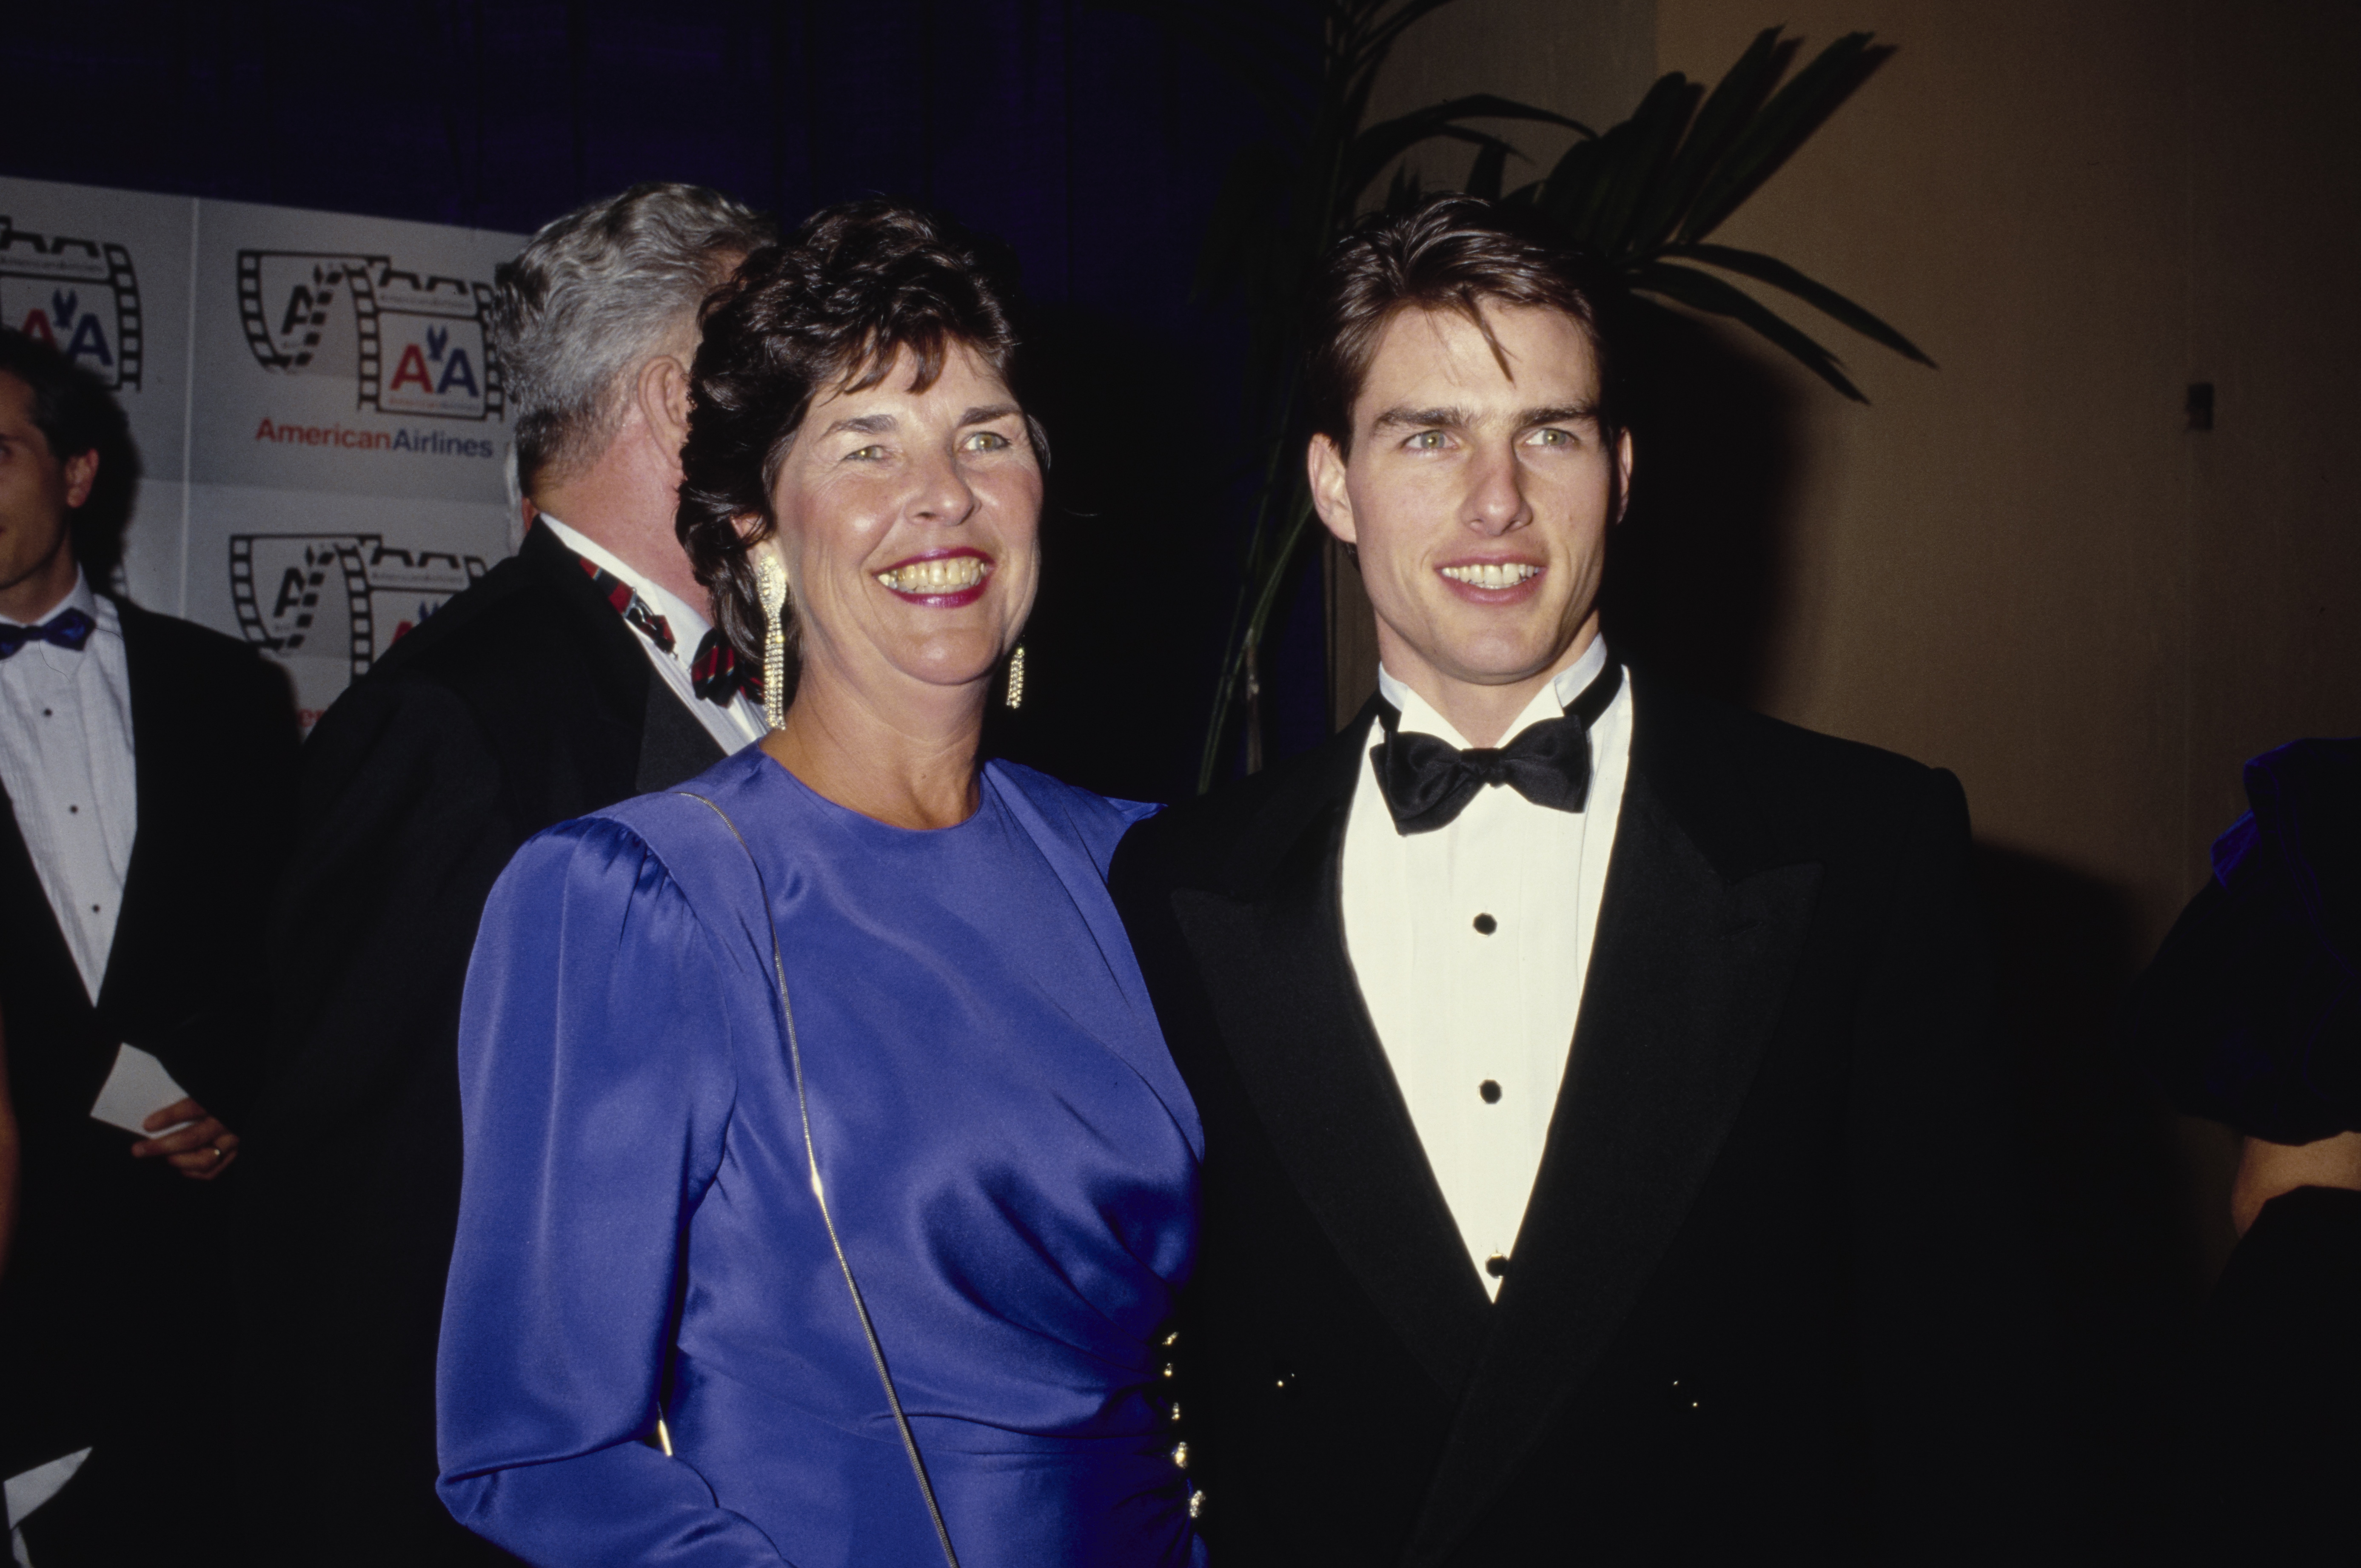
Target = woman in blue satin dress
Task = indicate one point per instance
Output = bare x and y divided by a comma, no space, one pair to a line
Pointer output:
652,1352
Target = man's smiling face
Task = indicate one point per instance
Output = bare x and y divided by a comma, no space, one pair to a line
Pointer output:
37,496
1478,497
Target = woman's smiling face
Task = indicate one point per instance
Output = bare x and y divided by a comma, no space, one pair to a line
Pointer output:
910,524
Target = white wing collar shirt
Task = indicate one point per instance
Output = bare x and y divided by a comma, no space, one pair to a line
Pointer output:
67,761
1470,944
734,726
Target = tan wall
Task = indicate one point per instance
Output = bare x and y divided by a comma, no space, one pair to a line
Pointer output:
2274,321
2022,567
1590,60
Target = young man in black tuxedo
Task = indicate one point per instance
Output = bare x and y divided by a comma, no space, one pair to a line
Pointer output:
1604,1152
147,765
579,672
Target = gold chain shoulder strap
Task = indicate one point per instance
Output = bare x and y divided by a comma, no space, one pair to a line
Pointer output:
811,1159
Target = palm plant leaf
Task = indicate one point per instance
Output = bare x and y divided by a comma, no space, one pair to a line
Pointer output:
1704,291
1733,101
1404,190
1820,296
1647,143
1658,208
1367,153
1487,174
1586,214
1572,180
1771,134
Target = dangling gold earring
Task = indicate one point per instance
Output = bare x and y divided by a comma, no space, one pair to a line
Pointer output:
770,587
1017,677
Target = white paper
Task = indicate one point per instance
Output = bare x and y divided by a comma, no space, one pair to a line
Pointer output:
29,1491
136,1089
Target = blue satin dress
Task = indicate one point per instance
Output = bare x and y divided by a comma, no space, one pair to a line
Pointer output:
1009,1153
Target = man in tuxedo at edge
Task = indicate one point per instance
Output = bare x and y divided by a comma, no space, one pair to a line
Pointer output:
578,673
1604,1155
147,765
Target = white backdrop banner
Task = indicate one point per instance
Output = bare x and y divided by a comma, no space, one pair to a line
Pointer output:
319,415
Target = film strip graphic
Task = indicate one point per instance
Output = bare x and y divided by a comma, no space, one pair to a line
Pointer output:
416,343
305,318
338,595
295,615
82,295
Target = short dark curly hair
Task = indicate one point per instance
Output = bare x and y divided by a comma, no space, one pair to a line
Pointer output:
1449,252
827,308
75,413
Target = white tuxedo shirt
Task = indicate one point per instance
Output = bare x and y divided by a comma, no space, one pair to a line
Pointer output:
67,760
1471,943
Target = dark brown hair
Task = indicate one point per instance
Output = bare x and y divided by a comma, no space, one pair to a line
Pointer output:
1449,252
75,413
827,308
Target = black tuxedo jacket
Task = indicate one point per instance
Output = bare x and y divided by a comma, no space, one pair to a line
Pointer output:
213,738
522,703
1767,1303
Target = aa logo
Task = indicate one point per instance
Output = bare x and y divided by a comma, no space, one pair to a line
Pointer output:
435,366
337,595
413,344
79,295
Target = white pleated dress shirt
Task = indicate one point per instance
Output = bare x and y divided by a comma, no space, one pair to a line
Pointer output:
734,726
1479,1023
66,758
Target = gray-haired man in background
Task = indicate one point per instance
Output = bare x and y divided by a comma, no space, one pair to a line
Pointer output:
575,675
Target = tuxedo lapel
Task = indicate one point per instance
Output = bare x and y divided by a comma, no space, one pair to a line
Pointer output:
1299,1036
675,746
161,791
1685,984
615,663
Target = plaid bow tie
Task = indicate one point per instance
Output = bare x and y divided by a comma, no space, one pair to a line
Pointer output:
68,632
718,675
636,611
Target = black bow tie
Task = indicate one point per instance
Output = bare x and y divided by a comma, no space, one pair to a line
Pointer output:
68,632
1428,782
